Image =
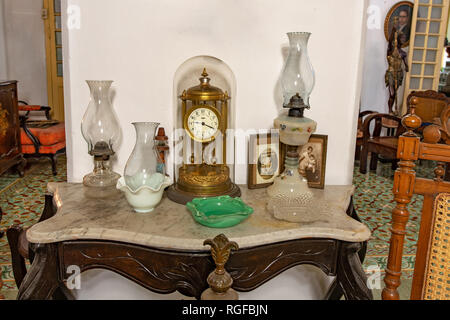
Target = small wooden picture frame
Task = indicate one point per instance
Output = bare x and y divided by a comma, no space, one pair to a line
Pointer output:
263,159
313,160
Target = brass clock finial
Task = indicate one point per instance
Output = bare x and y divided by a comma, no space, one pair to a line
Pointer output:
220,280
204,80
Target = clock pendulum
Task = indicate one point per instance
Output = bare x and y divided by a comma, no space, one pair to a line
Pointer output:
204,172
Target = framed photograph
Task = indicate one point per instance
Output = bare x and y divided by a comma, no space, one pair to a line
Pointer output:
264,160
313,160
399,18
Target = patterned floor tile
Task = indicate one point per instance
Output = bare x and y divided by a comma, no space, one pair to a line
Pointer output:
22,202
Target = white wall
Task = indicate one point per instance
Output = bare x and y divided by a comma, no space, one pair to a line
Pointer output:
375,95
25,49
141,44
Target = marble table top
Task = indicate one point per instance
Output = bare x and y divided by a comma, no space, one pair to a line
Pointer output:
171,225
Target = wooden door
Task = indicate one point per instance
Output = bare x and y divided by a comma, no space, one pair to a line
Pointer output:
54,54
429,29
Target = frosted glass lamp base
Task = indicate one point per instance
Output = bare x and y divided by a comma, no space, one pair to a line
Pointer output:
289,196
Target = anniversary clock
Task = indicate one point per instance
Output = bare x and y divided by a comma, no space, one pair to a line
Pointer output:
204,171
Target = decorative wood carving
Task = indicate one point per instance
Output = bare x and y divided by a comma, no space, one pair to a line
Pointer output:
351,278
157,270
410,149
250,268
10,147
403,190
43,279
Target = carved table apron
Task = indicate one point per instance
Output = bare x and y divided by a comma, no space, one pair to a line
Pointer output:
164,270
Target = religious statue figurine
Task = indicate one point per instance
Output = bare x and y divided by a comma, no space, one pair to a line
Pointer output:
394,74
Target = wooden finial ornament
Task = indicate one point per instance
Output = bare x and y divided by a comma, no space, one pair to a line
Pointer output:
219,280
412,121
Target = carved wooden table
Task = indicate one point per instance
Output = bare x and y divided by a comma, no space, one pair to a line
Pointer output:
163,251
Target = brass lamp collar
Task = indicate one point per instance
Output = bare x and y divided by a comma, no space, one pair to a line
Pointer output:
296,106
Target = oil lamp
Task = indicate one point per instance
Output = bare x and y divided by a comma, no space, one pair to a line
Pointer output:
289,196
101,131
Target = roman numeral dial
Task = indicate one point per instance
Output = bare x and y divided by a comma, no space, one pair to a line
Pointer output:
202,123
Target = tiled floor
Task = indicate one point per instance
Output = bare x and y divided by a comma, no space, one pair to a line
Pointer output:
22,201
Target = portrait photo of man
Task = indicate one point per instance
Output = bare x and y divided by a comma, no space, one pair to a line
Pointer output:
399,20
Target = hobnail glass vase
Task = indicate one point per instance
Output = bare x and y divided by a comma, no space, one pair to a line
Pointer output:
298,74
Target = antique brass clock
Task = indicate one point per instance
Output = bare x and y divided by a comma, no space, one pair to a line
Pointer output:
204,172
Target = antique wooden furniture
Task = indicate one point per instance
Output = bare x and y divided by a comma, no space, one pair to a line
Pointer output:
42,137
429,106
1,235
376,142
165,251
431,272
360,134
19,245
10,148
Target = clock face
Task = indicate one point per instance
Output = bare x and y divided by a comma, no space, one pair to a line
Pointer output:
202,123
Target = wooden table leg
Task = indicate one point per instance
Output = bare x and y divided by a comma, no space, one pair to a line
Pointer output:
42,280
350,275
334,292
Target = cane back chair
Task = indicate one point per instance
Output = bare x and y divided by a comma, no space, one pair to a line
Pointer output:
431,279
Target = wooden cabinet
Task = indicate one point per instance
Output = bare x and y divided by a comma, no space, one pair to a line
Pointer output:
10,147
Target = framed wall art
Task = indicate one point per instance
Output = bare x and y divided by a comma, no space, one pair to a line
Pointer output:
264,159
313,160
399,18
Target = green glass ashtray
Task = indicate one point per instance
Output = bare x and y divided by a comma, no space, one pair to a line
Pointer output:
219,212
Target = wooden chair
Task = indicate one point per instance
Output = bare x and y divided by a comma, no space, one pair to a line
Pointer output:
42,137
432,267
378,143
429,105
359,133
19,245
